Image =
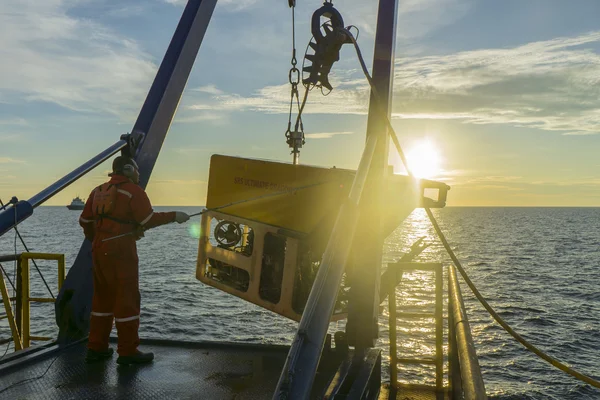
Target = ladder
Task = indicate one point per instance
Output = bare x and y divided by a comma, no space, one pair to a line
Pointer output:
437,315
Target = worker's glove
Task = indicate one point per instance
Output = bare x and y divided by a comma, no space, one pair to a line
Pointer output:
181,217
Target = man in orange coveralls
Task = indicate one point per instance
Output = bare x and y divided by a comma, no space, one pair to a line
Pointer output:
118,207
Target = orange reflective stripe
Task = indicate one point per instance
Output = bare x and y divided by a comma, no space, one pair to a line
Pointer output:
125,192
101,314
147,218
127,319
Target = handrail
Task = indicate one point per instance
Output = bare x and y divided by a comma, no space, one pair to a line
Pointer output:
9,315
471,379
298,373
25,330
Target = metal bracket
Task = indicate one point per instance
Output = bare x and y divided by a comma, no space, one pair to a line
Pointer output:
295,139
326,45
134,141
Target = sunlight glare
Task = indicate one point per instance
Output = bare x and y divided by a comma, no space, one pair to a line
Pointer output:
194,230
424,159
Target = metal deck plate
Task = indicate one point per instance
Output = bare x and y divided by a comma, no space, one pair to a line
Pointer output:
179,372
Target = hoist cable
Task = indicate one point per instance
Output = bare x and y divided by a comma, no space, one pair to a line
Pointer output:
376,97
8,277
551,360
294,78
301,109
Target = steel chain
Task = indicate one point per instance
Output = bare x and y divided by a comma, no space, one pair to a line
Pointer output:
294,80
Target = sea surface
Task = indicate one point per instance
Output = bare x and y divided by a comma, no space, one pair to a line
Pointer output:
538,267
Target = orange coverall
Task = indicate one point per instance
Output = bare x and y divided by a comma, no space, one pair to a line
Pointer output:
115,264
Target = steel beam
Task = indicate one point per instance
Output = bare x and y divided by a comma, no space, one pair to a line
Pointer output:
73,305
362,328
298,374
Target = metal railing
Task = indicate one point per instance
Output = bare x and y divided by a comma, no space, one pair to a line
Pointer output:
465,374
20,318
437,315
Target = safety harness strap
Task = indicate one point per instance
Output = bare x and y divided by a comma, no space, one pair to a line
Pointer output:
120,221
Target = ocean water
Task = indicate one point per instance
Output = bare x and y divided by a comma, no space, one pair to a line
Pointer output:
538,267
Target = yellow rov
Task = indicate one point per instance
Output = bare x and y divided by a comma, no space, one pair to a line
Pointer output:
267,223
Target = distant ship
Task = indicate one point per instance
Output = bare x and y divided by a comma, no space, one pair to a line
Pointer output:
76,204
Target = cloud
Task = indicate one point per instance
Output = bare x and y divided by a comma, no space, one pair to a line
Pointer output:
325,135
126,11
13,121
210,89
49,55
551,85
416,18
10,137
519,183
232,5
214,117
348,98
9,160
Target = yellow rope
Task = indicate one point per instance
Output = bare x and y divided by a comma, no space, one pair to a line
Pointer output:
498,319
493,313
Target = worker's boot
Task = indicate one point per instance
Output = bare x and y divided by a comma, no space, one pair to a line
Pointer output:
137,358
95,356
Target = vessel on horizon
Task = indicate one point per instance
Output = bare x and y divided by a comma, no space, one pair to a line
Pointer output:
76,204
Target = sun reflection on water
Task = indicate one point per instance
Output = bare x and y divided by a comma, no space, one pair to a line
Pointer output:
416,294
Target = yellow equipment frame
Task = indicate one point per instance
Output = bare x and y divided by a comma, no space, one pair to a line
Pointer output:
21,335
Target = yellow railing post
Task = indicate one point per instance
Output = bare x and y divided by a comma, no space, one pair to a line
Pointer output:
392,329
26,299
439,329
9,314
25,302
61,271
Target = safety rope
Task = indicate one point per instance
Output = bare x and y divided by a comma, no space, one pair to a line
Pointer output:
233,204
7,277
499,319
554,362
17,233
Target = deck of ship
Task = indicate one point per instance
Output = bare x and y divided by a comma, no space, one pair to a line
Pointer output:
181,370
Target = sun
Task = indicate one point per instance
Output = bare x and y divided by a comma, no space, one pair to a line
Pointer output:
424,159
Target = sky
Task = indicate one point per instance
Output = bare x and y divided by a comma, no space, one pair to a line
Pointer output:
507,93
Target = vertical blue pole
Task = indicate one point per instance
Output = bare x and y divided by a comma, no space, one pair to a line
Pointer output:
73,304
362,327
